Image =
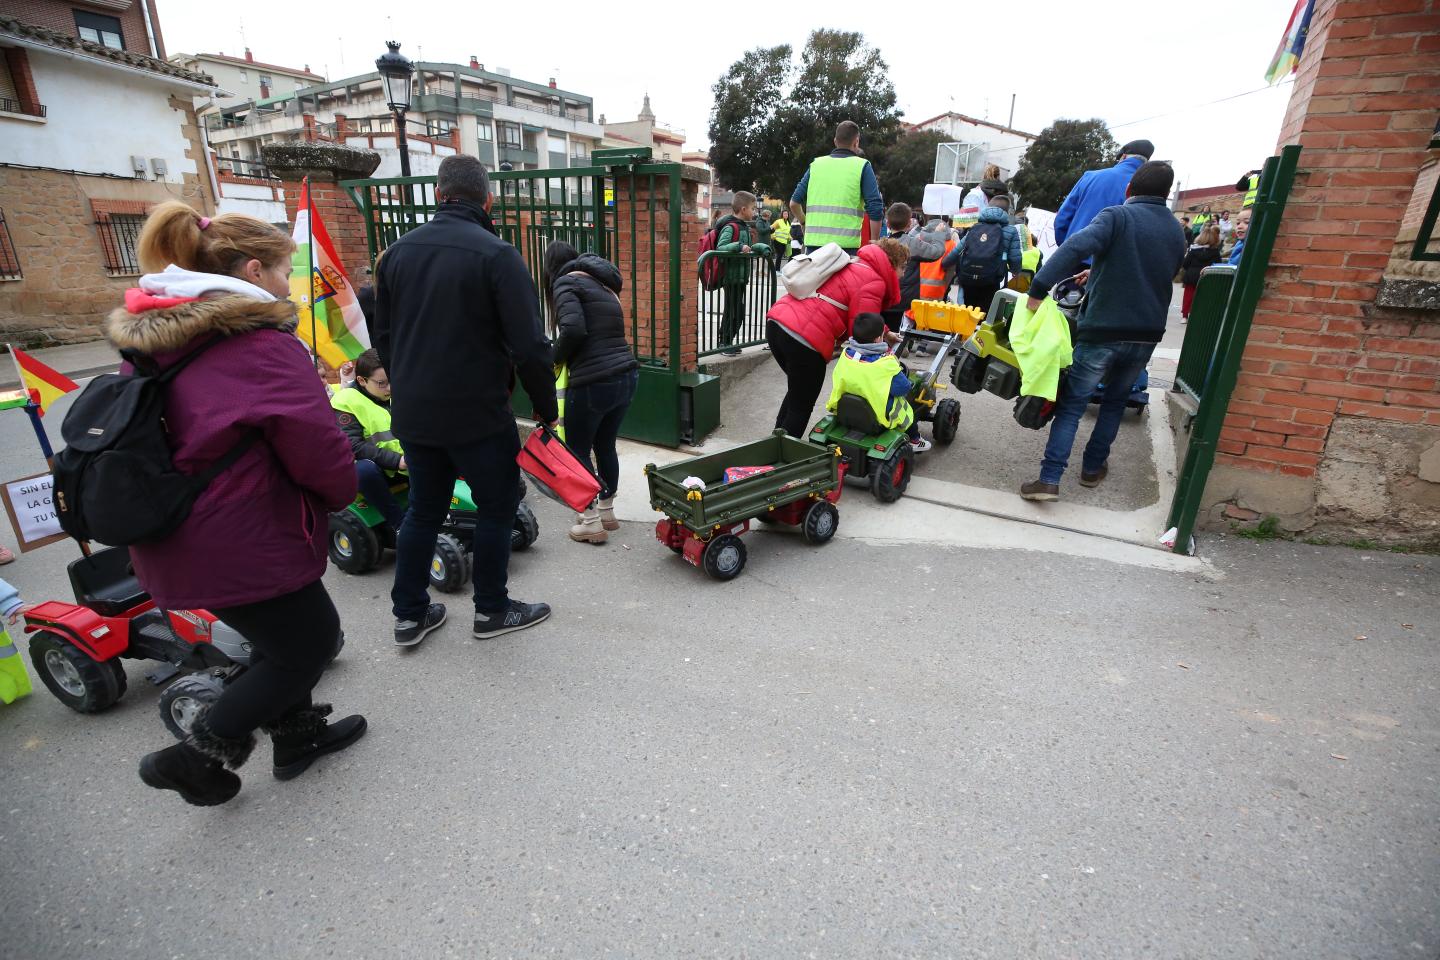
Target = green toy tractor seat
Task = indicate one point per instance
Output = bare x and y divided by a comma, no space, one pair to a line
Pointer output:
105,582
854,413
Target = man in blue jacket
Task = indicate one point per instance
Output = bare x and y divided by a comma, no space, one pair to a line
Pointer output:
1136,247
1098,189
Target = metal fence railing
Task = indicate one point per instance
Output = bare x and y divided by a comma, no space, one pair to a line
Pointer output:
8,105
9,260
1221,360
119,237
732,314
1202,334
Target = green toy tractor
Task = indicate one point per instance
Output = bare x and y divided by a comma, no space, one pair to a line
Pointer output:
359,535
883,455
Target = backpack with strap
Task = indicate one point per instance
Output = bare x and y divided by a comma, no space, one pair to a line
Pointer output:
116,481
981,261
712,271
805,272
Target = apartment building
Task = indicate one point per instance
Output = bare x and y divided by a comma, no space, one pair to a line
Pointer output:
96,127
245,78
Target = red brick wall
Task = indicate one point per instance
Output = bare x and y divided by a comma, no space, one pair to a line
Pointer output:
59,15
1364,107
652,278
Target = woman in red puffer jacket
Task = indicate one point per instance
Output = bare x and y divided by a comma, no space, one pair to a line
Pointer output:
803,334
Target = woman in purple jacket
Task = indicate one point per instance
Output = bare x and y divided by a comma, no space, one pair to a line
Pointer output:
252,550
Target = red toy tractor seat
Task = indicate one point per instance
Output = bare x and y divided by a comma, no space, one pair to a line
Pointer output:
105,582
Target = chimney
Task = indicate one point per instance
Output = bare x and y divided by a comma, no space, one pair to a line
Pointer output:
552,83
249,57
474,63
307,68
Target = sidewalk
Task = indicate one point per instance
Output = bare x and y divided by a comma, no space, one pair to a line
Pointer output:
75,360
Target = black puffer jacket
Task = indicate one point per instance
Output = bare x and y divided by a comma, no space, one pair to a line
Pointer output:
590,322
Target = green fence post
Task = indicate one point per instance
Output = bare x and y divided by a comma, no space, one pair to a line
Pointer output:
1219,383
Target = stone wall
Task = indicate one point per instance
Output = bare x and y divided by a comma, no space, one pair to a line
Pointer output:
66,290
1334,425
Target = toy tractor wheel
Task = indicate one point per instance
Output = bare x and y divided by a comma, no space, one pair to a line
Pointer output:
447,567
947,420
354,547
893,476
724,557
526,529
821,522
187,698
76,680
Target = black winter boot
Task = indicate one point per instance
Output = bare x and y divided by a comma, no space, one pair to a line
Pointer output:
303,736
195,767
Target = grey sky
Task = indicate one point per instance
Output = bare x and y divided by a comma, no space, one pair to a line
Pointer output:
1121,62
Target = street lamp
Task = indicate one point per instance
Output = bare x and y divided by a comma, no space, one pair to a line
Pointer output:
395,73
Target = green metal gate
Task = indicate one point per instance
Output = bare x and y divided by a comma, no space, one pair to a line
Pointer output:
579,205
1215,340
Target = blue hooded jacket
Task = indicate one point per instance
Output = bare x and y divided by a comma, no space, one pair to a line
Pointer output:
1096,190
1011,244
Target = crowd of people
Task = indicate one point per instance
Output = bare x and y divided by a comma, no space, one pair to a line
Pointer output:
456,323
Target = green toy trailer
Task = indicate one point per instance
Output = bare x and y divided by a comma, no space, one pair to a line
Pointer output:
704,525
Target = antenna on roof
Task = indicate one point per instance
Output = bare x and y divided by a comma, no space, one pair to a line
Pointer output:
243,41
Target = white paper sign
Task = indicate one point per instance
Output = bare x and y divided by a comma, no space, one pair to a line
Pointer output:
32,507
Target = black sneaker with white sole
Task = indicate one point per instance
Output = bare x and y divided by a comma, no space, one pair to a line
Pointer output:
517,617
410,632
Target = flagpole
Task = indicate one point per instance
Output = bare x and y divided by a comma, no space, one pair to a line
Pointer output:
310,271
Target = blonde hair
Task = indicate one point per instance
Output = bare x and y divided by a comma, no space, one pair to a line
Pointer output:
1209,236
895,251
175,233
992,172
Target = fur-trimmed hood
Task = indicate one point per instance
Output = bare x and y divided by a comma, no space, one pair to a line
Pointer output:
172,327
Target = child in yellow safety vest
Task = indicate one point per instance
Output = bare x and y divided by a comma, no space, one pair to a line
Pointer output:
868,369
14,681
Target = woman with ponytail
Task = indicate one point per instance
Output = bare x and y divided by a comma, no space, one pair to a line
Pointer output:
252,550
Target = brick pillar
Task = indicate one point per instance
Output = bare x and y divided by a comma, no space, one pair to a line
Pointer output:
326,165
653,276
341,133
1336,412
308,133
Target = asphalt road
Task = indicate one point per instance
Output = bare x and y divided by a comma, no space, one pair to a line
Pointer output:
850,751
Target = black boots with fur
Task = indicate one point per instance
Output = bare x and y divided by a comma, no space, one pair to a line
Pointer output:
303,736
195,767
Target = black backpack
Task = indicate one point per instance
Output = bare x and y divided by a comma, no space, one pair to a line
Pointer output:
116,481
983,255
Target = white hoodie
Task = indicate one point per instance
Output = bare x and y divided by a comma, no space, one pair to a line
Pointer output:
176,282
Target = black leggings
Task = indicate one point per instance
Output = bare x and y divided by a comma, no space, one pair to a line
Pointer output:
804,375
293,637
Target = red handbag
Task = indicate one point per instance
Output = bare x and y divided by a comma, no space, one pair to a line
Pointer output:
556,471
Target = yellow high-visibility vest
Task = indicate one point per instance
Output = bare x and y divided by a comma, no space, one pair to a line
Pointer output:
834,206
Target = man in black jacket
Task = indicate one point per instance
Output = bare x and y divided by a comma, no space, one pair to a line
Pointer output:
1136,247
456,319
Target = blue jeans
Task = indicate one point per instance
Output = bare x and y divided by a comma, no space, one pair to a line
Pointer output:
375,488
593,413
488,466
1119,365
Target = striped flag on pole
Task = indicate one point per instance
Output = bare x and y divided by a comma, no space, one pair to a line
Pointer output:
331,320
1292,44
44,385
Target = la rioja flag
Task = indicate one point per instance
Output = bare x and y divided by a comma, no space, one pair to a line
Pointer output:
331,321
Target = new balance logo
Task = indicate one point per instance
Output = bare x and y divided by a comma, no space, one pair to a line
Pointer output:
512,619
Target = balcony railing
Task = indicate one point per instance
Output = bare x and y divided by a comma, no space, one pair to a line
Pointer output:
236,167
15,106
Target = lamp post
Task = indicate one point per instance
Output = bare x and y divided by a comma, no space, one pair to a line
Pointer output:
395,73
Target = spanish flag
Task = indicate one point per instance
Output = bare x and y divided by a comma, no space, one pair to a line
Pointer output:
44,385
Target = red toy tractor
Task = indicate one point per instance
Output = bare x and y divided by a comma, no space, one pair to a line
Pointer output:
77,647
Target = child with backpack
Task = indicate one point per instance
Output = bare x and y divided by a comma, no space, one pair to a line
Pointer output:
253,548
868,369
987,254
734,234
